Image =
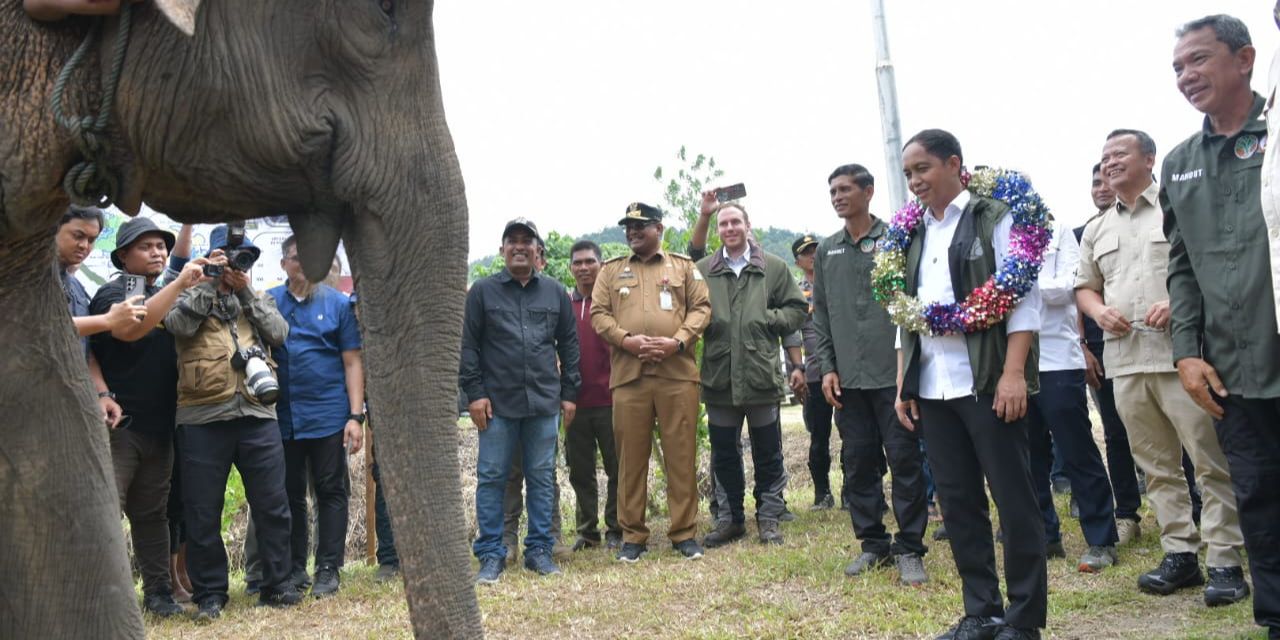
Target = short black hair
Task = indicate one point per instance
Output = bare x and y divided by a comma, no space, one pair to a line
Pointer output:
1097,168
1229,30
938,143
584,245
76,212
857,172
287,244
1145,143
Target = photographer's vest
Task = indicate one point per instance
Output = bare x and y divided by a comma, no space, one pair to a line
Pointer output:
205,374
969,270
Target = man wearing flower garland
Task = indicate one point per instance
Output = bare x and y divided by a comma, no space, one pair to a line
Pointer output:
754,305
1121,285
859,378
966,369
1225,343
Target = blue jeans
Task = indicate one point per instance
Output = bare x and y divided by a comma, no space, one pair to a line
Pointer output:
536,438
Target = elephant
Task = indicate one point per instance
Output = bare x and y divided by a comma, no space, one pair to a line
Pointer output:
327,111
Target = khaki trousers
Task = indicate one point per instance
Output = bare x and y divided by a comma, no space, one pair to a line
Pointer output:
674,403
1162,420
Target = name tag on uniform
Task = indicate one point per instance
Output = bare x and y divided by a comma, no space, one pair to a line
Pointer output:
664,300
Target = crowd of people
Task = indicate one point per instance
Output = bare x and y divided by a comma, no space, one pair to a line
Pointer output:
1164,306
1160,303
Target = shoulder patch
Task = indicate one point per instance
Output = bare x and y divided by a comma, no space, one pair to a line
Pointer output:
612,260
681,255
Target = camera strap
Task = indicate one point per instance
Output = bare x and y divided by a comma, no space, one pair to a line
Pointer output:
231,325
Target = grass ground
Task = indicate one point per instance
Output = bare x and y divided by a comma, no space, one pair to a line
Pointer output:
797,590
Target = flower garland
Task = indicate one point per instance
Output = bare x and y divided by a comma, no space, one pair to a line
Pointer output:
987,305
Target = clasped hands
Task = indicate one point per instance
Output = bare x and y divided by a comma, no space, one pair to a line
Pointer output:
650,348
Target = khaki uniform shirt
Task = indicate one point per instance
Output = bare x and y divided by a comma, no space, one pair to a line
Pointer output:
1125,257
628,300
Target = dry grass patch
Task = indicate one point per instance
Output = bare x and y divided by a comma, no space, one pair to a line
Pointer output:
746,590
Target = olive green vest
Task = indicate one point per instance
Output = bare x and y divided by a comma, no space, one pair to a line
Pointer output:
972,260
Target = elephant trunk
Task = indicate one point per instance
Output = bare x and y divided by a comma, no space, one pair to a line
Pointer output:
62,552
409,253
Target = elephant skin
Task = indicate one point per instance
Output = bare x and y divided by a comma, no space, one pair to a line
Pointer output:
328,111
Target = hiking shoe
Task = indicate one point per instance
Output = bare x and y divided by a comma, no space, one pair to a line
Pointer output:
786,516
940,534
688,548
613,540
1055,550
1097,558
1015,633
252,587
490,569
866,562
934,514
1176,571
1061,485
286,596
724,533
539,561
208,610
631,552
559,551
387,572
973,628
823,503
301,581
911,569
769,533
161,604
582,544
1127,530
327,580
1226,586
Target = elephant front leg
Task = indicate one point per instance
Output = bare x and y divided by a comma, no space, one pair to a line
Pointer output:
66,571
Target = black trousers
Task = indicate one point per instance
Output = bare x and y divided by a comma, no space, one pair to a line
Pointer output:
966,443
817,421
1249,432
591,431
1060,408
382,522
1124,475
208,451
327,460
873,436
765,433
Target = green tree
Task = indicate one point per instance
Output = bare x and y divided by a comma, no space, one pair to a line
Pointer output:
682,194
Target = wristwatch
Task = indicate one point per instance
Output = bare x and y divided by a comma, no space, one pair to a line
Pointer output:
358,417
680,347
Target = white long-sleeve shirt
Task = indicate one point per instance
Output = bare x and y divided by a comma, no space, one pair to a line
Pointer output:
1060,348
945,372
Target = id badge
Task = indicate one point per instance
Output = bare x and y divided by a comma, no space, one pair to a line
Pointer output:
664,300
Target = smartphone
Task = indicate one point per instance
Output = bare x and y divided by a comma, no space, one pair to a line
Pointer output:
213,270
134,286
731,192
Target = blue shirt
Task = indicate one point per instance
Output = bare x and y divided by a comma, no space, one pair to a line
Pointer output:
77,300
313,383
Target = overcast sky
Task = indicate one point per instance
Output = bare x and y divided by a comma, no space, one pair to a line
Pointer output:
561,111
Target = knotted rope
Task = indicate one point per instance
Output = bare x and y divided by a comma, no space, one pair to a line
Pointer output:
91,180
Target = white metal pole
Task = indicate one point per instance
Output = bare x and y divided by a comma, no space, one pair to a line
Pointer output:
890,126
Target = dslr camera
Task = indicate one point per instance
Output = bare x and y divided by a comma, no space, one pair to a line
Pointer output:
257,374
240,258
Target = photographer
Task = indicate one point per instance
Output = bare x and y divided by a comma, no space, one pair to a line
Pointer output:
136,379
226,413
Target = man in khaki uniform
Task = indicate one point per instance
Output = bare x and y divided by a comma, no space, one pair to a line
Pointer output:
1124,260
651,307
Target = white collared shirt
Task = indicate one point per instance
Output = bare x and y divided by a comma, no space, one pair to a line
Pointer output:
1059,329
945,372
739,263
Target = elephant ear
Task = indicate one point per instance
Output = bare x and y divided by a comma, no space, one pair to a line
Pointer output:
182,13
